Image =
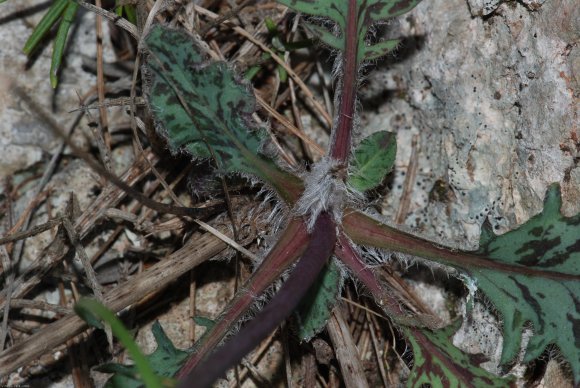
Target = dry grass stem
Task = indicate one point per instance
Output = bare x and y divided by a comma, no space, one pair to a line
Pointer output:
199,249
346,352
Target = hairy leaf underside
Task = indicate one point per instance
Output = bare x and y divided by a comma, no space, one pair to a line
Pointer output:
362,14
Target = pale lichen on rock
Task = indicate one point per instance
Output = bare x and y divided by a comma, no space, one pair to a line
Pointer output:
492,99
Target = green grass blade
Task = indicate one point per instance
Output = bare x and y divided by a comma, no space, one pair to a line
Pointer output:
60,40
45,24
91,310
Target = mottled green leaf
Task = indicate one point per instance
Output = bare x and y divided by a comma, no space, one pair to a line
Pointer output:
438,363
364,14
373,159
202,106
384,9
113,368
316,307
205,110
531,274
543,288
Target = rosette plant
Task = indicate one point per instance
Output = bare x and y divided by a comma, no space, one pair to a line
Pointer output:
203,108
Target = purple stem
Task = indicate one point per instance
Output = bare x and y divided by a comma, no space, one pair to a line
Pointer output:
364,230
319,249
289,247
349,256
341,140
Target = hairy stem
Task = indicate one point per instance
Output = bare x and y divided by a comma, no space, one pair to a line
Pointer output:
291,244
342,133
364,230
348,255
318,251
391,305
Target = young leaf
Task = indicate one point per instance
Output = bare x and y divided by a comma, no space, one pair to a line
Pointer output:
548,242
316,307
326,36
165,361
373,160
205,109
379,49
438,363
204,322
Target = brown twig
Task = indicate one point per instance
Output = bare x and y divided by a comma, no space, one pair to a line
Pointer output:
114,18
103,119
222,18
321,110
288,125
39,305
346,351
199,249
51,255
287,360
9,285
258,354
376,350
405,203
31,231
